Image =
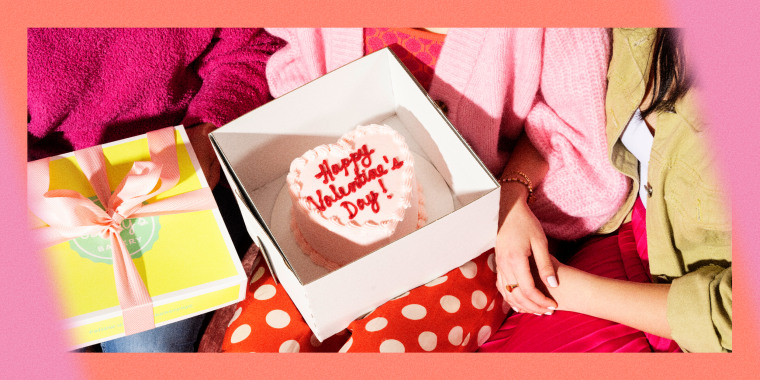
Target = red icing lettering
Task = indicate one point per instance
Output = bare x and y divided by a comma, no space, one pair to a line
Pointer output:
361,160
396,163
336,168
354,208
327,171
321,205
324,173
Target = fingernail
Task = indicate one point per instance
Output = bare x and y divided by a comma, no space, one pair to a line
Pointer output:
552,308
515,309
538,314
549,313
552,281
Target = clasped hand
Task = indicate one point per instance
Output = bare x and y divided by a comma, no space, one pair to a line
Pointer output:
525,269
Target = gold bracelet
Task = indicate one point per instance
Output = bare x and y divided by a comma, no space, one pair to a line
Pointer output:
530,183
525,181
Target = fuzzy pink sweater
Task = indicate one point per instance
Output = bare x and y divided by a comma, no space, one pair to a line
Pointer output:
496,83
89,86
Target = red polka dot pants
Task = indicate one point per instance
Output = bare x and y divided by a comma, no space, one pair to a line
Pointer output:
456,312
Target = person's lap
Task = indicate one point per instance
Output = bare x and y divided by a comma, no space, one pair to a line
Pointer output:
611,256
455,312
179,336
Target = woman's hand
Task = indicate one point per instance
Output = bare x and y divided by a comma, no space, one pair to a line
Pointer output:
520,244
198,135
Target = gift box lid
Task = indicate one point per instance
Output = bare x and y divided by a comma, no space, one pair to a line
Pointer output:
173,253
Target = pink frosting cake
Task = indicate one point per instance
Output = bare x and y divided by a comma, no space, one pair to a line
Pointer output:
355,196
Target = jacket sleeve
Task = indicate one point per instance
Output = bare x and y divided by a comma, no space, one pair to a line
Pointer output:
699,310
232,70
696,230
581,190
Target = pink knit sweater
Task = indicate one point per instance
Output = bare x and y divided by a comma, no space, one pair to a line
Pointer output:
497,83
88,86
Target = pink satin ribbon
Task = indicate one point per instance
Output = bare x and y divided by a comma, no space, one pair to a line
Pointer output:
70,215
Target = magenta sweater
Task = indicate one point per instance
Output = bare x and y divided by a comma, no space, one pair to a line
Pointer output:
496,83
92,86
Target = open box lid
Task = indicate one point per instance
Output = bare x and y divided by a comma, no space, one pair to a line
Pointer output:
258,147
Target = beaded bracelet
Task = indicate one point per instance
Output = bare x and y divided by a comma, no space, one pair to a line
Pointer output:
525,181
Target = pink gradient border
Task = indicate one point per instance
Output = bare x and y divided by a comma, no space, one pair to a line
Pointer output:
721,38
721,43
31,344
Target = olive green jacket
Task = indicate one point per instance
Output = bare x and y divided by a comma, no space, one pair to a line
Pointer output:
688,215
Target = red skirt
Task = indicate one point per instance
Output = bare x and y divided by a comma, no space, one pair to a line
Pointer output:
621,256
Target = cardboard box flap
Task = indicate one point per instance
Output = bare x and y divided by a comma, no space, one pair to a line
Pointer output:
416,108
257,228
365,96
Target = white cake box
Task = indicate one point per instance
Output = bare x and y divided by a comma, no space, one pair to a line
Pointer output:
463,197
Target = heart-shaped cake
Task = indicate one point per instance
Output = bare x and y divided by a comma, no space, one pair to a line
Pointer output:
355,196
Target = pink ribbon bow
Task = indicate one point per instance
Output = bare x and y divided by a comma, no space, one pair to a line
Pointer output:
70,215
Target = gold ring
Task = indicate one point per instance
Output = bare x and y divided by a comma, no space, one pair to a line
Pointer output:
511,287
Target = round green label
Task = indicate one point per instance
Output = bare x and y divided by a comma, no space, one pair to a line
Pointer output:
139,235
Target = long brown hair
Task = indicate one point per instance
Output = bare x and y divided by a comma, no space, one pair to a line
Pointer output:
669,79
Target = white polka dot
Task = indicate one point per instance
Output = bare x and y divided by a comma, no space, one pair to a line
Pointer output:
391,345
235,316
469,269
490,307
479,299
466,340
257,275
240,333
314,341
290,346
401,296
455,335
428,340
492,262
414,311
376,324
264,292
347,345
483,335
505,307
278,319
437,281
450,303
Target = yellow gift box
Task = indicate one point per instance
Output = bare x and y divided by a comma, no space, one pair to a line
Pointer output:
186,260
